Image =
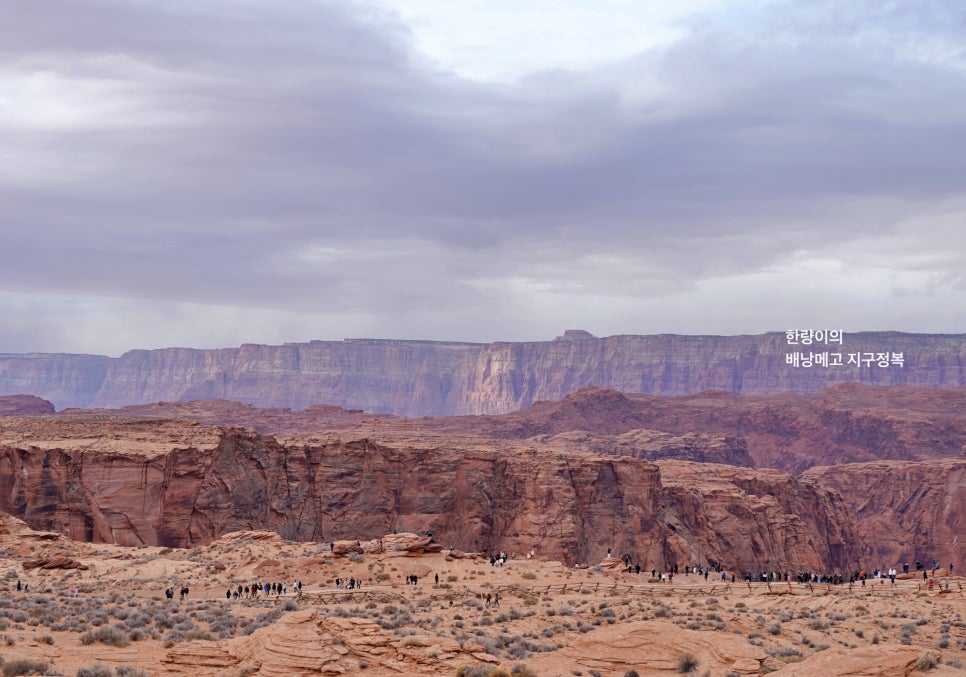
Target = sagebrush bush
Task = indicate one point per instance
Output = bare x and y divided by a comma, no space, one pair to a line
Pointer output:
96,670
24,666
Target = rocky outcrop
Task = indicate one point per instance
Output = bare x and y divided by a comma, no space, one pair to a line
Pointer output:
847,423
50,563
306,644
655,446
24,405
884,660
416,378
903,511
574,507
655,648
13,529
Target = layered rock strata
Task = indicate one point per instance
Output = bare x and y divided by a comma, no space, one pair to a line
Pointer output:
572,507
418,378
903,512
847,423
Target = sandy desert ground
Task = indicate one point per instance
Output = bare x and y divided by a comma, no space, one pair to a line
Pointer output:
112,617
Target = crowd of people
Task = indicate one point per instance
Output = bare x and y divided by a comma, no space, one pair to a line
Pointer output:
256,589
715,570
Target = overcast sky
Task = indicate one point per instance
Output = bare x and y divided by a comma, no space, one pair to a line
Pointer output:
207,174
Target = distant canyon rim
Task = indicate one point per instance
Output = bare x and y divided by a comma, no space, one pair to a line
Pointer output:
435,378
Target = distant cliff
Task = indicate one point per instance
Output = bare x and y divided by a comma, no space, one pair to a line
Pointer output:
417,378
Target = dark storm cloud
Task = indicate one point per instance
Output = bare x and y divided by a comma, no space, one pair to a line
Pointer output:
300,155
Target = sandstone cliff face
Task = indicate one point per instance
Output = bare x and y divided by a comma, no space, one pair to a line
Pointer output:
24,405
903,511
418,378
568,506
774,519
63,379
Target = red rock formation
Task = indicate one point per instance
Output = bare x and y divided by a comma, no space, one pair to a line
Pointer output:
844,424
569,506
13,529
655,446
903,511
307,643
24,405
47,563
416,378
774,520
847,423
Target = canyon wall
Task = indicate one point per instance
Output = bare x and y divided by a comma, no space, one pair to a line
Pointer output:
59,378
568,506
903,511
418,378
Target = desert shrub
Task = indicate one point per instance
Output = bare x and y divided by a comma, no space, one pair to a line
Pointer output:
521,670
124,671
473,671
927,661
775,629
198,634
529,575
24,666
631,673
261,621
687,663
356,557
96,670
111,635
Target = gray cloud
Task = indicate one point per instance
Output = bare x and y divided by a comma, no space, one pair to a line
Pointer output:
297,159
